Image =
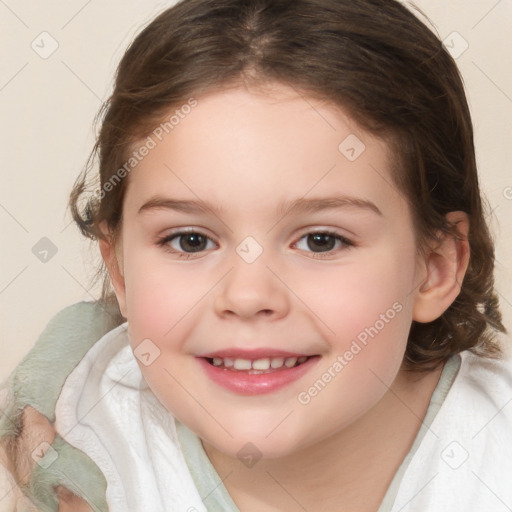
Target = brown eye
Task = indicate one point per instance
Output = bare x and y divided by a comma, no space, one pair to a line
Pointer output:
192,242
186,242
321,242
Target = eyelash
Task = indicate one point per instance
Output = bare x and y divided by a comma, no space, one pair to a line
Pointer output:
164,241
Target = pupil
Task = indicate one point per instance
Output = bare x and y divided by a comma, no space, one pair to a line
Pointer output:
322,241
194,241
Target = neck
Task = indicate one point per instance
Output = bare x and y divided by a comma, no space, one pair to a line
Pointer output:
350,470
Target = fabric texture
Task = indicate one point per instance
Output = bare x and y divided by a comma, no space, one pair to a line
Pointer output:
109,412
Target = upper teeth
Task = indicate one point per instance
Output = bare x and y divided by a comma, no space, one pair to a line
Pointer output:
258,364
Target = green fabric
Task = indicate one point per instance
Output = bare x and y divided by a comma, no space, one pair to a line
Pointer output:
37,381
214,494
72,469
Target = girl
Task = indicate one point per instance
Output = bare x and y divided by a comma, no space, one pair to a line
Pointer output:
303,314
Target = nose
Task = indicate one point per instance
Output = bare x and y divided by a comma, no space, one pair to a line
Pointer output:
252,290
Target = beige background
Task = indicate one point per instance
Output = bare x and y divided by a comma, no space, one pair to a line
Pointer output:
47,106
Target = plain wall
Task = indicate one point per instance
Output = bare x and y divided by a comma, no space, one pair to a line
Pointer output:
47,107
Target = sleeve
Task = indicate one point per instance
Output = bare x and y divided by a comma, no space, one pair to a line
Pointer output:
38,469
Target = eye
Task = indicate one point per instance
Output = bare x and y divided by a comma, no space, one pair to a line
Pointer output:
186,242
323,243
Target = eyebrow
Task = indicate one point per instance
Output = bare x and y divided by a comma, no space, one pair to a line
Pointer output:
300,205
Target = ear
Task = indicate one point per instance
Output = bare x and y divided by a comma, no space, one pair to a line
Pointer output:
114,264
444,269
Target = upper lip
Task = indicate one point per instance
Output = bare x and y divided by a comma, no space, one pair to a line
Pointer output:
257,353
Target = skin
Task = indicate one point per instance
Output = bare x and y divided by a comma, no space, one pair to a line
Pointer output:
247,151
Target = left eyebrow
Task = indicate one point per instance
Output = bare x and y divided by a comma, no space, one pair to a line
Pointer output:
300,205
313,205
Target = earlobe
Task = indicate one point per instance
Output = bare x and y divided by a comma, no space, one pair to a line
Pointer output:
445,267
113,262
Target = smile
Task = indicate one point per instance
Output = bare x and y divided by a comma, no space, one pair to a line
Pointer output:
257,376
257,366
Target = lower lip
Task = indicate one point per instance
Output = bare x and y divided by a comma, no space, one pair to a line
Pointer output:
244,383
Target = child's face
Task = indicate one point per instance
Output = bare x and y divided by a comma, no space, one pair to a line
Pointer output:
349,305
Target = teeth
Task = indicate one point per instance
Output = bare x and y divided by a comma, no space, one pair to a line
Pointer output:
290,361
242,364
262,364
277,362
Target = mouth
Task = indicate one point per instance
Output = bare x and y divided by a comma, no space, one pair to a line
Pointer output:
256,366
256,375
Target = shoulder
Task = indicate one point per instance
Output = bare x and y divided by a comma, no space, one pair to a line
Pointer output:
467,449
486,380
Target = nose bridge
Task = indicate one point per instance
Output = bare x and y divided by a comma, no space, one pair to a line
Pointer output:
250,288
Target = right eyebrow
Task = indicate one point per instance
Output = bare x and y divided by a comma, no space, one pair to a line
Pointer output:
187,206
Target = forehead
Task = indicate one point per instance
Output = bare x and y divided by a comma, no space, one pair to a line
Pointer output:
236,146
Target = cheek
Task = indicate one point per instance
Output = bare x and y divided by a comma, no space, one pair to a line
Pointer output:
159,294
365,313
367,290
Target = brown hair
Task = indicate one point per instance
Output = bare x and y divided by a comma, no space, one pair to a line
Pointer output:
375,59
